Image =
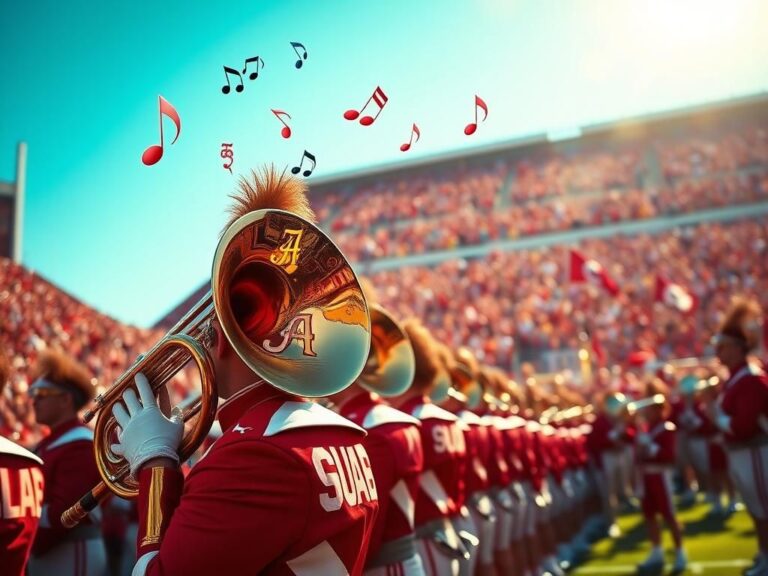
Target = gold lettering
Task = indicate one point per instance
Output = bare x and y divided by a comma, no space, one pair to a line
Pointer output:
287,255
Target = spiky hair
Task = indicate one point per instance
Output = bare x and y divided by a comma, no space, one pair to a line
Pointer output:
269,189
742,322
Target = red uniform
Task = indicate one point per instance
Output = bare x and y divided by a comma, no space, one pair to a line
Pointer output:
442,483
656,460
394,447
21,500
69,469
478,444
287,489
441,486
745,401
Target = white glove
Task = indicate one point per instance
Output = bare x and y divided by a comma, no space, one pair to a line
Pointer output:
145,433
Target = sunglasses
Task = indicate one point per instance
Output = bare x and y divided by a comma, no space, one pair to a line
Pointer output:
45,392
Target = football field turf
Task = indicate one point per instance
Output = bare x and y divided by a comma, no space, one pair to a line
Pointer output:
716,546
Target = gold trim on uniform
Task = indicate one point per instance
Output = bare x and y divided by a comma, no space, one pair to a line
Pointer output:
155,510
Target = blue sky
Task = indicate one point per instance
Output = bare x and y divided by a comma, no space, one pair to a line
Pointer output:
81,81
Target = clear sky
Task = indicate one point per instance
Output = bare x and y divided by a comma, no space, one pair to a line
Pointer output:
80,82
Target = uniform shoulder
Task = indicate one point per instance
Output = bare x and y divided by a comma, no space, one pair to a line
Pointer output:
432,411
8,447
76,434
381,414
296,415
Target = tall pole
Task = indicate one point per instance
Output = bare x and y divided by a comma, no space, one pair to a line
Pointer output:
21,182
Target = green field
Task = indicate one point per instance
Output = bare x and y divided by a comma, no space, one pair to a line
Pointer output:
716,546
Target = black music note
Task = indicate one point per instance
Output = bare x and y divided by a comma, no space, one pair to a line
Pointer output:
299,62
153,153
379,98
311,158
256,59
227,72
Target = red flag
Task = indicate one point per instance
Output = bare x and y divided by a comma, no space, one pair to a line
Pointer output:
674,295
584,270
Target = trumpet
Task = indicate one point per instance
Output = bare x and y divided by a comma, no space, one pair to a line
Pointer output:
291,307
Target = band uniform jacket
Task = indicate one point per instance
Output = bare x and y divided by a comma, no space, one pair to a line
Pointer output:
394,448
69,470
745,400
21,501
442,482
288,489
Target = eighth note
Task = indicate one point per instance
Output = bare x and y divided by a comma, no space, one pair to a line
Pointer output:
286,131
227,152
153,153
414,130
309,156
379,98
227,88
299,62
479,103
256,59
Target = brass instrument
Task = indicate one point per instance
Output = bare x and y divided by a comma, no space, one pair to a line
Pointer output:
638,405
291,307
391,363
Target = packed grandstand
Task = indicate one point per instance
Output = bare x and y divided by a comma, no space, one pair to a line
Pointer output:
477,246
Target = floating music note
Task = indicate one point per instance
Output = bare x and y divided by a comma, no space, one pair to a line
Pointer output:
414,130
309,156
227,152
227,88
286,131
479,103
379,98
153,153
256,59
302,57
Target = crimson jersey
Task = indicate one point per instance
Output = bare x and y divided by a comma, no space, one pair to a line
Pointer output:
663,450
287,489
745,400
478,443
69,469
499,475
394,447
21,501
442,482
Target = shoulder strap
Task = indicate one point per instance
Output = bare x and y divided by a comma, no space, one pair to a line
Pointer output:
292,415
8,447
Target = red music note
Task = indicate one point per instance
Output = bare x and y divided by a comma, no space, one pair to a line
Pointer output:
379,98
153,154
414,130
286,131
479,103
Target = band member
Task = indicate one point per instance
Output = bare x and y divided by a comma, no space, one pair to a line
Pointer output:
477,516
438,543
288,487
61,387
21,495
656,446
393,445
742,415
607,439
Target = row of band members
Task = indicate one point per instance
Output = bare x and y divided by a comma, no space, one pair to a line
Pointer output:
404,485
